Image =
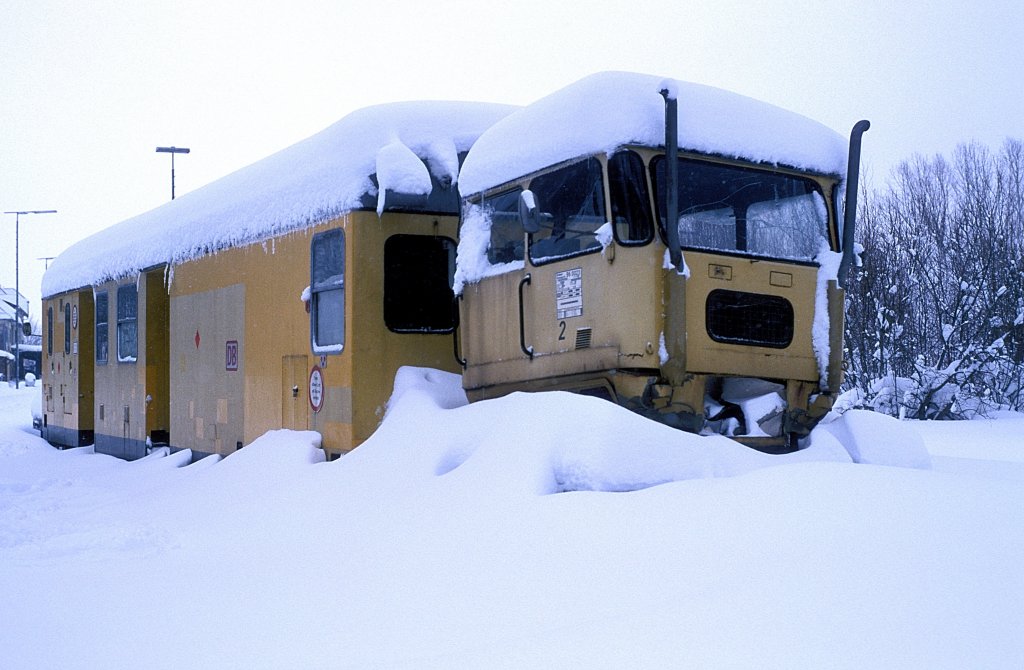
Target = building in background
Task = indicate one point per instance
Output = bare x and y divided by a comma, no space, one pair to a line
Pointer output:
13,312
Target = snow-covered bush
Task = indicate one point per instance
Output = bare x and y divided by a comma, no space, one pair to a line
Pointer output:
935,315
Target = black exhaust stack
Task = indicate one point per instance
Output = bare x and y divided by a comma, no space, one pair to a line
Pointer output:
850,213
672,174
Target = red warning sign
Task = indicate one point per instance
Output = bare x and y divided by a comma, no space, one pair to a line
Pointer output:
316,388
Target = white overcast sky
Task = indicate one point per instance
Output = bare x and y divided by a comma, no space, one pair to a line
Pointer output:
89,89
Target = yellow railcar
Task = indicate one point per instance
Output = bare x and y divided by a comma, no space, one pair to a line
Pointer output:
285,295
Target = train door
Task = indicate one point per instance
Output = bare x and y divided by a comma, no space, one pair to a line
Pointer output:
491,253
537,328
69,390
157,358
294,392
84,348
564,267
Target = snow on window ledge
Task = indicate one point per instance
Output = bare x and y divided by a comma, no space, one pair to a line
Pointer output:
471,263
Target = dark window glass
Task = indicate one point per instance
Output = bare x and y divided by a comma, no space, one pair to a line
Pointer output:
127,324
418,273
49,331
631,204
571,203
67,328
735,317
327,291
102,331
745,210
506,230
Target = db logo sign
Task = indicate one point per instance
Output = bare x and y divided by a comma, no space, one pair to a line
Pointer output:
231,355
316,388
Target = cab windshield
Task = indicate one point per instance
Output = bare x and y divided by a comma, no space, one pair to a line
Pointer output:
745,211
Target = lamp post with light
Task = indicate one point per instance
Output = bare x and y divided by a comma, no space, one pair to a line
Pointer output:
17,289
172,151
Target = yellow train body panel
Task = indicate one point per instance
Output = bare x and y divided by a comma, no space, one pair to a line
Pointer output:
236,320
214,352
67,359
131,378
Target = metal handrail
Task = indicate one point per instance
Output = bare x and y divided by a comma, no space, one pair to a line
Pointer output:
522,327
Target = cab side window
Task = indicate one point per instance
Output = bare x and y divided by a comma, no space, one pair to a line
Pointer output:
571,203
506,232
631,203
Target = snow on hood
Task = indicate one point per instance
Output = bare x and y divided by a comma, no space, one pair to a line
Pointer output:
611,109
305,184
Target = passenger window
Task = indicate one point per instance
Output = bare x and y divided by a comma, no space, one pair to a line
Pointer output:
571,202
102,332
49,331
418,274
631,204
327,292
127,324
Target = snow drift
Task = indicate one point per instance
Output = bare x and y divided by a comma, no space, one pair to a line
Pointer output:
518,532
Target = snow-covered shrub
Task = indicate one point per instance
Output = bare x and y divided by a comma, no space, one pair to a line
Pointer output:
935,313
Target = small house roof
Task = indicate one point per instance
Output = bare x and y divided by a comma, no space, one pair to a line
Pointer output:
8,301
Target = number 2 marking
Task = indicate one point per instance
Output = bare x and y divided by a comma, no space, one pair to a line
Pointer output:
561,333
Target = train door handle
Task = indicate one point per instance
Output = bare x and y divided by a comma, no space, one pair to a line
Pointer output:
522,327
295,391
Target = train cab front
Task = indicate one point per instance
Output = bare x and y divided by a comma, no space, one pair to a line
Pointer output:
753,328
696,282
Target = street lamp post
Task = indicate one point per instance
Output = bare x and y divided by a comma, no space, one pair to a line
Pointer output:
17,289
172,151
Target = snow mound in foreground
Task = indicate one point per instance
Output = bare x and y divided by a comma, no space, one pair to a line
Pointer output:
552,442
285,446
270,456
877,439
545,442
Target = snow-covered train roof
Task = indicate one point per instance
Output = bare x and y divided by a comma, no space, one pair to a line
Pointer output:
305,184
612,109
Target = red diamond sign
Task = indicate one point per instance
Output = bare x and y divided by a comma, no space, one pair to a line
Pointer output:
197,339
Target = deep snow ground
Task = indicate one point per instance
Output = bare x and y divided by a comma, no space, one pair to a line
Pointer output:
541,530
